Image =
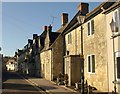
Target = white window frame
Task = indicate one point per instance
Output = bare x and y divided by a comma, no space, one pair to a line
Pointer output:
117,54
90,22
90,64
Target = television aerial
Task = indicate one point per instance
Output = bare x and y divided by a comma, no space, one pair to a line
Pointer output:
53,17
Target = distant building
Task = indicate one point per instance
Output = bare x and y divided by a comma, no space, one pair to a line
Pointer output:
11,64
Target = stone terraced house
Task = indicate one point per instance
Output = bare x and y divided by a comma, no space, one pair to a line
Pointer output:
46,54
52,52
57,52
97,47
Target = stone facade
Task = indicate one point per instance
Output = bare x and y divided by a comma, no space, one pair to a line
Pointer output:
36,55
57,56
46,64
72,68
110,58
61,52
72,56
96,44
21,59
74,46
47,55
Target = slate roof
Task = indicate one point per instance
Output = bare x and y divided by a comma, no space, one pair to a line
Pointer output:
62,28
112,7
53,36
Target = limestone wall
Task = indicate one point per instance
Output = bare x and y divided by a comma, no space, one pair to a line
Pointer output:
57,57
96,44
46,64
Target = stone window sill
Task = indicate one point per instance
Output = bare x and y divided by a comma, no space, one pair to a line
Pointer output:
116,82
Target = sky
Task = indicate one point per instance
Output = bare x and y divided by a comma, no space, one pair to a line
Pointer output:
20,20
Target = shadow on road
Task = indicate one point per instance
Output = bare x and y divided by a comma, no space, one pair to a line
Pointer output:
12,83
9,75
14,86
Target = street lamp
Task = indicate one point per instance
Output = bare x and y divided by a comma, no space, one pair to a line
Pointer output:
81,20
113,28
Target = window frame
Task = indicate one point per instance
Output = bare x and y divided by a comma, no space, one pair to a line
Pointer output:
117,19
69,38
91,31
91,64
88,67
117,55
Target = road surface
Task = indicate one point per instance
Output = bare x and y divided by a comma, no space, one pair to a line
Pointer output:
13,83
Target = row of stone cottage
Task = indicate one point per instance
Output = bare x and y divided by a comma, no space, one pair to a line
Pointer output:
52,53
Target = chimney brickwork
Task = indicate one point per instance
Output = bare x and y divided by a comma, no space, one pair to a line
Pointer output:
49,28
64,18
34,36
83,8
45,28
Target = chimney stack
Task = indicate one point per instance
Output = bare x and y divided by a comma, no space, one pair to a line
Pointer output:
83,8
45,28
30,41
34,36
49,28
64,18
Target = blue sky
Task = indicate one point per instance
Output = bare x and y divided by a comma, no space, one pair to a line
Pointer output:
21,20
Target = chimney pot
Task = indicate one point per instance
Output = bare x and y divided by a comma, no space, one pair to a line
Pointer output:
50,28
34,36
45,28
83,8
29,40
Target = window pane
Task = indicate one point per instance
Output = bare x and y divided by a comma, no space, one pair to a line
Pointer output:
92,27
69,38
88,27
116,17
89,67
93,63
116,20
118,67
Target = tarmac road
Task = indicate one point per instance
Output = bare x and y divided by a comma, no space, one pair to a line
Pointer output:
12,83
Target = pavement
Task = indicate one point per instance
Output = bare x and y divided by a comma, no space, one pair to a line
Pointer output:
50,86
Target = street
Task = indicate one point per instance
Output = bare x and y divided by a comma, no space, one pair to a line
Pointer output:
13,83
